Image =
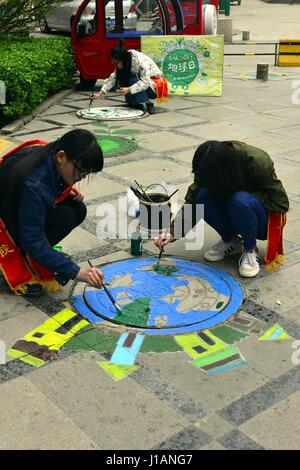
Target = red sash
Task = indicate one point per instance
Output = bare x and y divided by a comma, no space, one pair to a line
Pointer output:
161,88
274,256
17,269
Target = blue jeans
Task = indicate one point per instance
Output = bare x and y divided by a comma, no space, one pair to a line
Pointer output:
142,96
242,213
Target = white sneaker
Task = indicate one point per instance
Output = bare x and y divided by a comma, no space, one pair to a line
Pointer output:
248,264
221,249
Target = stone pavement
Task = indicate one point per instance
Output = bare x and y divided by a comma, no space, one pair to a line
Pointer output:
70,403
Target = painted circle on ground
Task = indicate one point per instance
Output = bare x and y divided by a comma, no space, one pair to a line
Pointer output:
111,113
271,76
175,297
114,146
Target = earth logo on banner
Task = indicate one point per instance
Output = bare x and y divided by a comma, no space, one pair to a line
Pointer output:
192,66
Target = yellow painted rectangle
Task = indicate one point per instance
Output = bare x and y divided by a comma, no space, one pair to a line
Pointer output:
188,342
50,337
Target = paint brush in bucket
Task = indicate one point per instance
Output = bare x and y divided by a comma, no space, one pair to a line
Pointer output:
118,309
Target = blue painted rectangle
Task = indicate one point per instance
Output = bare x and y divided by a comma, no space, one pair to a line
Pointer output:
126,356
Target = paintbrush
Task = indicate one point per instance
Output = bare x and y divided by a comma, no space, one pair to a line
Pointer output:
174,193
91,99
160,255
136,192
144,193
119,310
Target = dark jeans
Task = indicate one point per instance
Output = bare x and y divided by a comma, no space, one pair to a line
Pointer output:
63,219
142,96
242,213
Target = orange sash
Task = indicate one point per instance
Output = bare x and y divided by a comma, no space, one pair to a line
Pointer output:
161,88
274,256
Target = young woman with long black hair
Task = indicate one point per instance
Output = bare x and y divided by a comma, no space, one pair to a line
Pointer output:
243,201
137,77
39,207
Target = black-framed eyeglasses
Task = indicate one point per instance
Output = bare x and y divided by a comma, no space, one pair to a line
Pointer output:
81,173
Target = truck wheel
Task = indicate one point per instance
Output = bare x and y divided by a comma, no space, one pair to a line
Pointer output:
71,22
86,84
210,20
44,26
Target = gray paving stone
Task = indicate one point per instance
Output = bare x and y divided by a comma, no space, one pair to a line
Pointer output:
178,118
284,416
220,112
147,172
80,240
15,328
236,440
41,424
166,141
271,358
213,392
213,445
214,426
188,439
280,286
119,415
259,400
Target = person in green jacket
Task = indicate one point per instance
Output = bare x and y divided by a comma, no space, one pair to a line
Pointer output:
243,201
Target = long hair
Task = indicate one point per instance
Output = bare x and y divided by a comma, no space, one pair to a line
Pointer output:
216,166
81,147
123,55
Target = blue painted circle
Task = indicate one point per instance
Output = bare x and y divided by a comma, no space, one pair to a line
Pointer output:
195,297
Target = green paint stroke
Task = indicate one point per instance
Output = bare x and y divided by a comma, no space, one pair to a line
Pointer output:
164,270
214,358
159,344
228,334
137,313
113,146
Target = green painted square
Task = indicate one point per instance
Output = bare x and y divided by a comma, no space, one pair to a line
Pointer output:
159,344
93,338
228,334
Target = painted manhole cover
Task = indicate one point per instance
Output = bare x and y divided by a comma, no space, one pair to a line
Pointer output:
111,113
176,297
114,146
271,76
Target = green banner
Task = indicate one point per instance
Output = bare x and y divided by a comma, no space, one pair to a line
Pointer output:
192,65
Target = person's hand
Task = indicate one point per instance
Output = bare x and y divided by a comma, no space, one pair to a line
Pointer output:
76,195
124,90
95,96
92,276
163,239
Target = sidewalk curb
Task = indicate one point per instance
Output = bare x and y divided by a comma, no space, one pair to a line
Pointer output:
19,123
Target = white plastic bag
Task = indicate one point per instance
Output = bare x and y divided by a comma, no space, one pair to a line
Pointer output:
133,204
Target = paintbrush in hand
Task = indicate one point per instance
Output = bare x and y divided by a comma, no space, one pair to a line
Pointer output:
119,310
91,99
160,255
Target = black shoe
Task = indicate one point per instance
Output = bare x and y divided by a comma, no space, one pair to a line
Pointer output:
150,108
34,291
134,106
138,106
